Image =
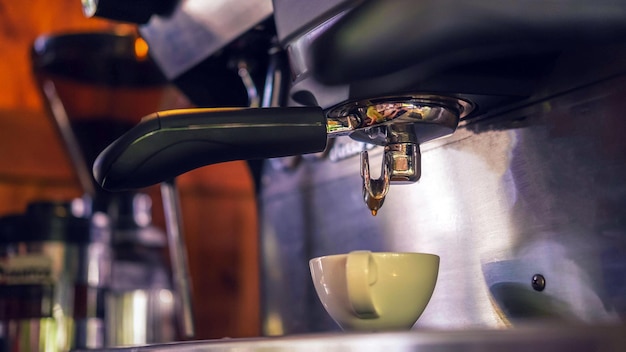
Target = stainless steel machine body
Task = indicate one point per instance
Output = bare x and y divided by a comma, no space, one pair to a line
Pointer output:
539,191
524,202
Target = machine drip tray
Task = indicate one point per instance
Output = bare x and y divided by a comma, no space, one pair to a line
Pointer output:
536,338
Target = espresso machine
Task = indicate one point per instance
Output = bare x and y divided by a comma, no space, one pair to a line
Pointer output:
493,134
108,281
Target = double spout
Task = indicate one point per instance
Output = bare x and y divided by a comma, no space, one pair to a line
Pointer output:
169,143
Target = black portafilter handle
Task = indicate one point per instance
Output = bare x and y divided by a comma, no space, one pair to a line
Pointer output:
169,143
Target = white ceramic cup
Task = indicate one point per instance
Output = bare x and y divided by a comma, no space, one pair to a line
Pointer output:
375,291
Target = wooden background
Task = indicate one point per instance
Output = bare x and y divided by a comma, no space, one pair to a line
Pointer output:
218,201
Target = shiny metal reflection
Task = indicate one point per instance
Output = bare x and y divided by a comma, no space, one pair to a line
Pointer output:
139,317
539,190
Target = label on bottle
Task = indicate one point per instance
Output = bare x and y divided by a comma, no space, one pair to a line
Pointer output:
26,269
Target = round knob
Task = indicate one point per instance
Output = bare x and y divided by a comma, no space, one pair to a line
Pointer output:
134,11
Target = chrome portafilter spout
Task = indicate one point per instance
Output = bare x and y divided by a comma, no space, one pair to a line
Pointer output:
401,164
399,124
169,143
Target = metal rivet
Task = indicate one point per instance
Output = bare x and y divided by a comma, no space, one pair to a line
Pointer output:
538,282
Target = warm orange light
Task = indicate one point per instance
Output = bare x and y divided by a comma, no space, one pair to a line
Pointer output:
141,49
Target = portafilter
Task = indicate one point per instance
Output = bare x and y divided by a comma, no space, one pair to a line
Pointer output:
166,144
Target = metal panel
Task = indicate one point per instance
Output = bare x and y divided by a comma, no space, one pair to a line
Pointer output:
538,191
198,28
293,17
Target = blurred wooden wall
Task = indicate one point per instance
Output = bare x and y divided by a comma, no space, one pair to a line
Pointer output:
218,201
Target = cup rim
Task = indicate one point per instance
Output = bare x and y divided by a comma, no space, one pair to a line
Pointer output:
376,252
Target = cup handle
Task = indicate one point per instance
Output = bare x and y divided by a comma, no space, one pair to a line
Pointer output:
361,274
